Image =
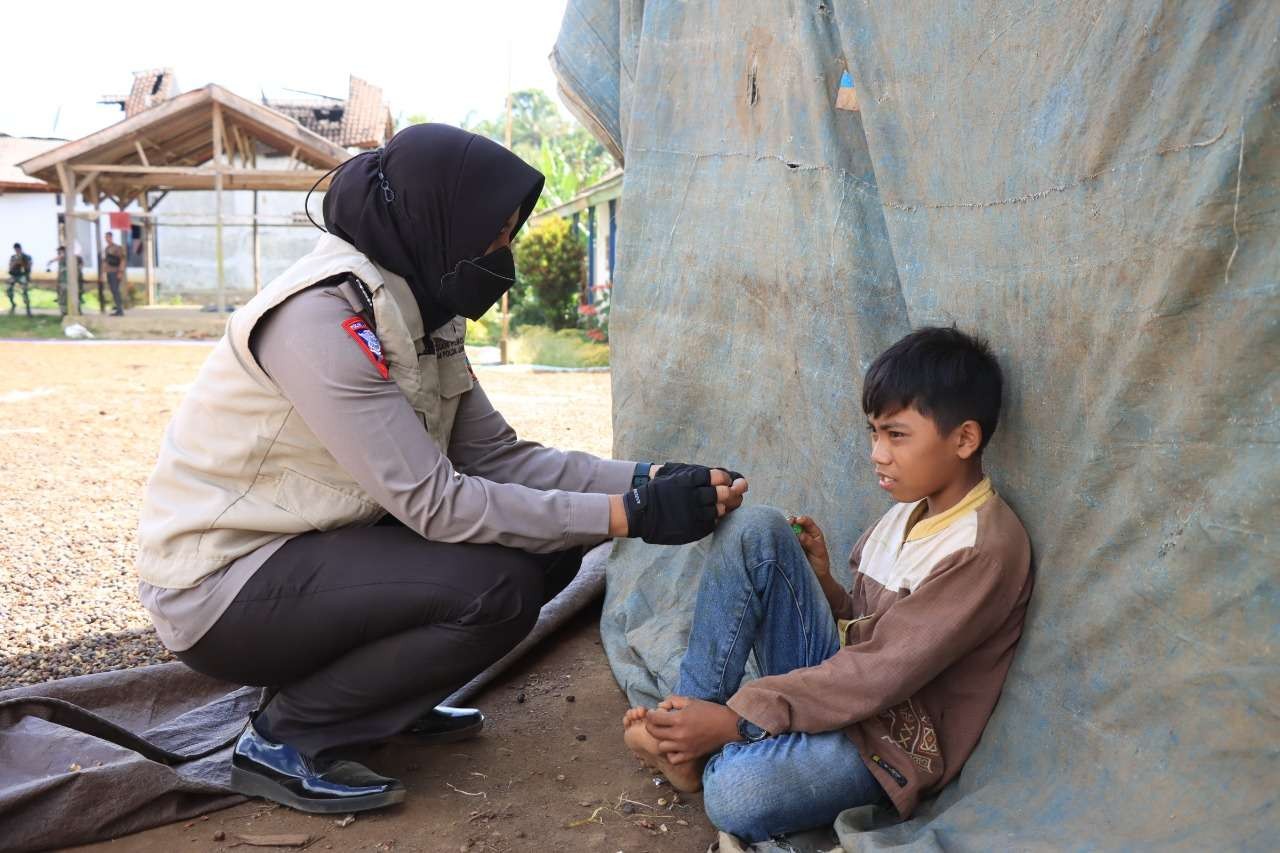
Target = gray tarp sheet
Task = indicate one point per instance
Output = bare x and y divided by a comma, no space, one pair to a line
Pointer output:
1092,185
60,786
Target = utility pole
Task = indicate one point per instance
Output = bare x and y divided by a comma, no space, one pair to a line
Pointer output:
506,314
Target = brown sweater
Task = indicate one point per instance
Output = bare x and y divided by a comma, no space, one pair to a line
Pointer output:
937,609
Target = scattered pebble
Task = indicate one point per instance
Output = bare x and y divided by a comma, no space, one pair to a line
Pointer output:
662,801
559,777
219,836
581,737
520,698
571,698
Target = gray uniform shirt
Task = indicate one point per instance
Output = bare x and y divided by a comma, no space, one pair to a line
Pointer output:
489,486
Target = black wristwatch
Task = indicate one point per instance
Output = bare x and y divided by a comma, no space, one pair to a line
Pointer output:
749,731
641,475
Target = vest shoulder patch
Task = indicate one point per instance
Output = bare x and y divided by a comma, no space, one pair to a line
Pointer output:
368,341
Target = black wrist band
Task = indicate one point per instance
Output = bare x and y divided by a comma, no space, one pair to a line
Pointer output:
634,511
641,475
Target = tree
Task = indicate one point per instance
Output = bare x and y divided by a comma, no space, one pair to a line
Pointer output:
403,121
569,156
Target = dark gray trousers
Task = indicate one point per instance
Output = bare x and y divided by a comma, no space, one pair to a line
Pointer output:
360,631
113,281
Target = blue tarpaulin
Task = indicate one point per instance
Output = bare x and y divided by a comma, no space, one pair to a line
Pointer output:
1093,186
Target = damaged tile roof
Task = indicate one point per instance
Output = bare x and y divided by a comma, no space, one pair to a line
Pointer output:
362,121
150,88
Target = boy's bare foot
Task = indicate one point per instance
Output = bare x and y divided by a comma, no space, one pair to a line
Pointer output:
683,777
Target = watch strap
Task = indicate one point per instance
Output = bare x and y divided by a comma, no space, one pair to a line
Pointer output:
749,731
641,475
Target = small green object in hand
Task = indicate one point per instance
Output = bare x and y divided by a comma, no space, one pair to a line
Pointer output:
797,528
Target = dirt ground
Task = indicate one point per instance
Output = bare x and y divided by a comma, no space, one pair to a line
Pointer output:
80,425
547,774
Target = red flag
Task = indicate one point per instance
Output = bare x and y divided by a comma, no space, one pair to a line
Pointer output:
120,221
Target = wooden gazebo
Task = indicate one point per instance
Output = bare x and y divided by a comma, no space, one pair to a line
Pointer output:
205,139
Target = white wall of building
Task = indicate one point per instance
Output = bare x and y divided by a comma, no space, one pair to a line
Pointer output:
32,220
185,239
603,275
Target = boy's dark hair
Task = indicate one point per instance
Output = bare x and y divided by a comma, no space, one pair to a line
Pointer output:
17,245
946,375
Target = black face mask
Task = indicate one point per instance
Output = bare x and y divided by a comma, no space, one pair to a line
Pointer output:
476,286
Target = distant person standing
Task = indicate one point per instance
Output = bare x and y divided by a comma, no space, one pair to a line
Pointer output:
114,261
61,259
19,274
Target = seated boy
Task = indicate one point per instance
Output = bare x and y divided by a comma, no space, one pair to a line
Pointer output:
879,692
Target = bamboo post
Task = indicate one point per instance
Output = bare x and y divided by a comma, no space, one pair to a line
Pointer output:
217,190
148,246
97,246
506,313
257,248
67,178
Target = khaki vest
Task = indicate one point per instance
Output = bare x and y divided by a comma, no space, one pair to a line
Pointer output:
238,467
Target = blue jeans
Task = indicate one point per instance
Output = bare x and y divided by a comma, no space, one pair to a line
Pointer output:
759,594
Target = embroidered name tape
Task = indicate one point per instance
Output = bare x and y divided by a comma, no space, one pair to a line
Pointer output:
360,332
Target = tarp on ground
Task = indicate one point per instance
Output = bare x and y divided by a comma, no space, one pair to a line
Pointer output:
62,785
1093,186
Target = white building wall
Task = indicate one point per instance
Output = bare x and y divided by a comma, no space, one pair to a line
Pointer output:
186,250
603,275
186,253
32,220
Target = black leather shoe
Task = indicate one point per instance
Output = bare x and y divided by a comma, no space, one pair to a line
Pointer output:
278,772
443,724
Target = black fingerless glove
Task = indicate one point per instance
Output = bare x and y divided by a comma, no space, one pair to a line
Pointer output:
672,509
670,468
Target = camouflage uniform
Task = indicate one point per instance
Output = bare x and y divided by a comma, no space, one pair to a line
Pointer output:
20,274
62,283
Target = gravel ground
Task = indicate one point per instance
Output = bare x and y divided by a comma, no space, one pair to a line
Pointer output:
79,427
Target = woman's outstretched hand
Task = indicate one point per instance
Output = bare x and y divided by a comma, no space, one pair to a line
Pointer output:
729,489
678,506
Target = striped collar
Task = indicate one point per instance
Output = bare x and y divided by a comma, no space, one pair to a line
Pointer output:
977,496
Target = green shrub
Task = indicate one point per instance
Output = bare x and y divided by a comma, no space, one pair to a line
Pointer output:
563,348
549,262
487,331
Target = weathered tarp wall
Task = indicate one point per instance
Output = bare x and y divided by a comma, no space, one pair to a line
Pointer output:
1091,185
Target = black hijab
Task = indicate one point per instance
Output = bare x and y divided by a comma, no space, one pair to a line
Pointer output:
434,197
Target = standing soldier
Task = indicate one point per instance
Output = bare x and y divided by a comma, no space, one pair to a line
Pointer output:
114,257
62,279
19,274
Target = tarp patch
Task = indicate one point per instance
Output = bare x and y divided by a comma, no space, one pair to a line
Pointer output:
360,332
847,95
